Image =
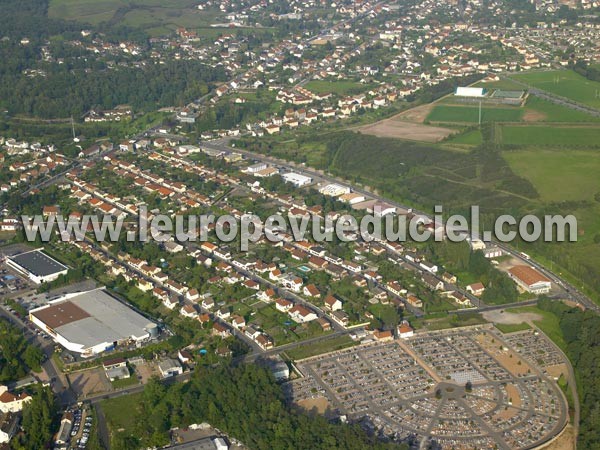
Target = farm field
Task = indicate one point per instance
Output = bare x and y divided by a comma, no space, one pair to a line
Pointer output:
575,171
549,136
154,16
540,110
570,85
90,11
470,114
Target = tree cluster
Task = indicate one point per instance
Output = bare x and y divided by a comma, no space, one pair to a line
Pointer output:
246,403
581,332
17,356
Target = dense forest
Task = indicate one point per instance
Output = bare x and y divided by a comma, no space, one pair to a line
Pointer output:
581,332
243,401
74,85
64,93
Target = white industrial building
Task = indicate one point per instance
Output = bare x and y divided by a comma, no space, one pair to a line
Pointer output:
334,190
92,322
254,168
530,280
37,266
296,179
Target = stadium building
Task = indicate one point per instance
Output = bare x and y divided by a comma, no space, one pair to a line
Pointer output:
470,92
37,266
92,322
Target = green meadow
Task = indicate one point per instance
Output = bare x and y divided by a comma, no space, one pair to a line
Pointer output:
573,136
565,83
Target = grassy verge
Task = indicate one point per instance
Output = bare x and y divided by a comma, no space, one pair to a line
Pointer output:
444,321
125,382
512,327
326,346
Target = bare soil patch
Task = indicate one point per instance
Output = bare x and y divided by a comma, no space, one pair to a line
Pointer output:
565,441
321,403
400,129
557,370
90,382
533,116
513,394
417,114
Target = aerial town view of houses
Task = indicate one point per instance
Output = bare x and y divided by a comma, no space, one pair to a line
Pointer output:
310,110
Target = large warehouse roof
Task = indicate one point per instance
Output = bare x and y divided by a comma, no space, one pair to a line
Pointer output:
528,275
38,263
92,318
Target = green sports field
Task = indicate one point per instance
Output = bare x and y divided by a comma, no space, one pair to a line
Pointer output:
540,110
565,83
573,136
470,114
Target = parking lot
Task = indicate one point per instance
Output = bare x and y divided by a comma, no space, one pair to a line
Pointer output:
460,388
81,427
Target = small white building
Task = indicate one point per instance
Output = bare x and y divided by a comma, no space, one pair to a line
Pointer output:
296,179
170,367
405,330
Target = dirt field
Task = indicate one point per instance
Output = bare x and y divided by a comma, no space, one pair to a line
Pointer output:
513,393
90,382
397,127
146,371
557,370
533,116
417,115
320,403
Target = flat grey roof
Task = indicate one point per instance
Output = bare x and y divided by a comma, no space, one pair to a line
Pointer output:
108,320
201,444
38,263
